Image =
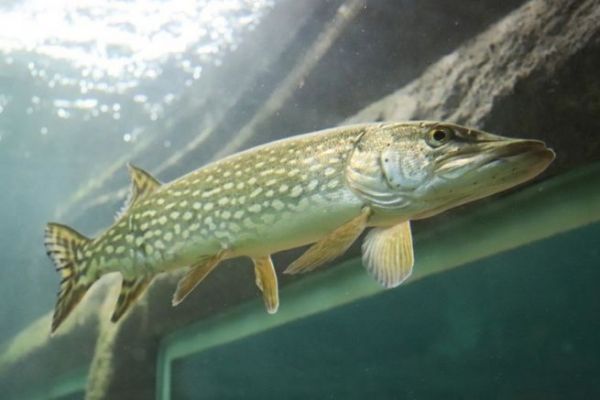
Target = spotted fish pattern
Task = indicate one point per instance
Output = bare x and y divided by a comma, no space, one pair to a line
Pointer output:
254,203
325,187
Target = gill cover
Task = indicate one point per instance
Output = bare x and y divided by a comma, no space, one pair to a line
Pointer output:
403,171
386,166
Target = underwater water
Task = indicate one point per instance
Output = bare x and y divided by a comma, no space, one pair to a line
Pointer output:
518,325
502,302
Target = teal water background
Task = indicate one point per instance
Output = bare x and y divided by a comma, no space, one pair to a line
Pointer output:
519,325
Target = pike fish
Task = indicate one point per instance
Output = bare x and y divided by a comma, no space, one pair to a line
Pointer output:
324,188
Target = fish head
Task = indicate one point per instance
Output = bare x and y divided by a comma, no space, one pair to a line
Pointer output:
418,169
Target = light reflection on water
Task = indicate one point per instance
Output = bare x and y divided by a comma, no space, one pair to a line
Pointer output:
103,59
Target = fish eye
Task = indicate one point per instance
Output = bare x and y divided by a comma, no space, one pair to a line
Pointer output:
439,136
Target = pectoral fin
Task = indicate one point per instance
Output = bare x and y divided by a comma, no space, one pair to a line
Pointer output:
331,246
131,290
388,254
194,276
266,280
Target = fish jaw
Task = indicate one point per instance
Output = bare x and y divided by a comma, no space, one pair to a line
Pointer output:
534,154
493,167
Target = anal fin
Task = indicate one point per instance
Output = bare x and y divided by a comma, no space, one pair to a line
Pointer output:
131,290
331,246
388,254
266,280
194,276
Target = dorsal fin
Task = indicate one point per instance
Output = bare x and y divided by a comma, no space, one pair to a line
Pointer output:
142,183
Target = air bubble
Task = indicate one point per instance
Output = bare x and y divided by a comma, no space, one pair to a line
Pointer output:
140,98
197,72
62,113
168,99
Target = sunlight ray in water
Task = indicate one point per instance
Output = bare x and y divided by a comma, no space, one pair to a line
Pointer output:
126,39
85,50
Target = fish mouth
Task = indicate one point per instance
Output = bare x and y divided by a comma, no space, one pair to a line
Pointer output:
532,152
521,147
527,153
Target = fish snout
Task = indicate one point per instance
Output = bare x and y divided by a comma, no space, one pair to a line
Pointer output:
519,148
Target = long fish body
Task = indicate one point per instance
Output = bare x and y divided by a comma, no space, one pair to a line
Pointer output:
324,188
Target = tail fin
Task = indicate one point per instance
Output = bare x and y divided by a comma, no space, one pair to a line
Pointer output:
65,247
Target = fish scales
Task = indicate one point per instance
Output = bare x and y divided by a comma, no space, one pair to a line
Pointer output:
324,188
239,203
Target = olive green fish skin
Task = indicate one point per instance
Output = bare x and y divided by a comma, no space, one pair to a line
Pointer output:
295,191
274,197
325,187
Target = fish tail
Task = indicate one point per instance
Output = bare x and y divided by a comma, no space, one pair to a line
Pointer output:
65,247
